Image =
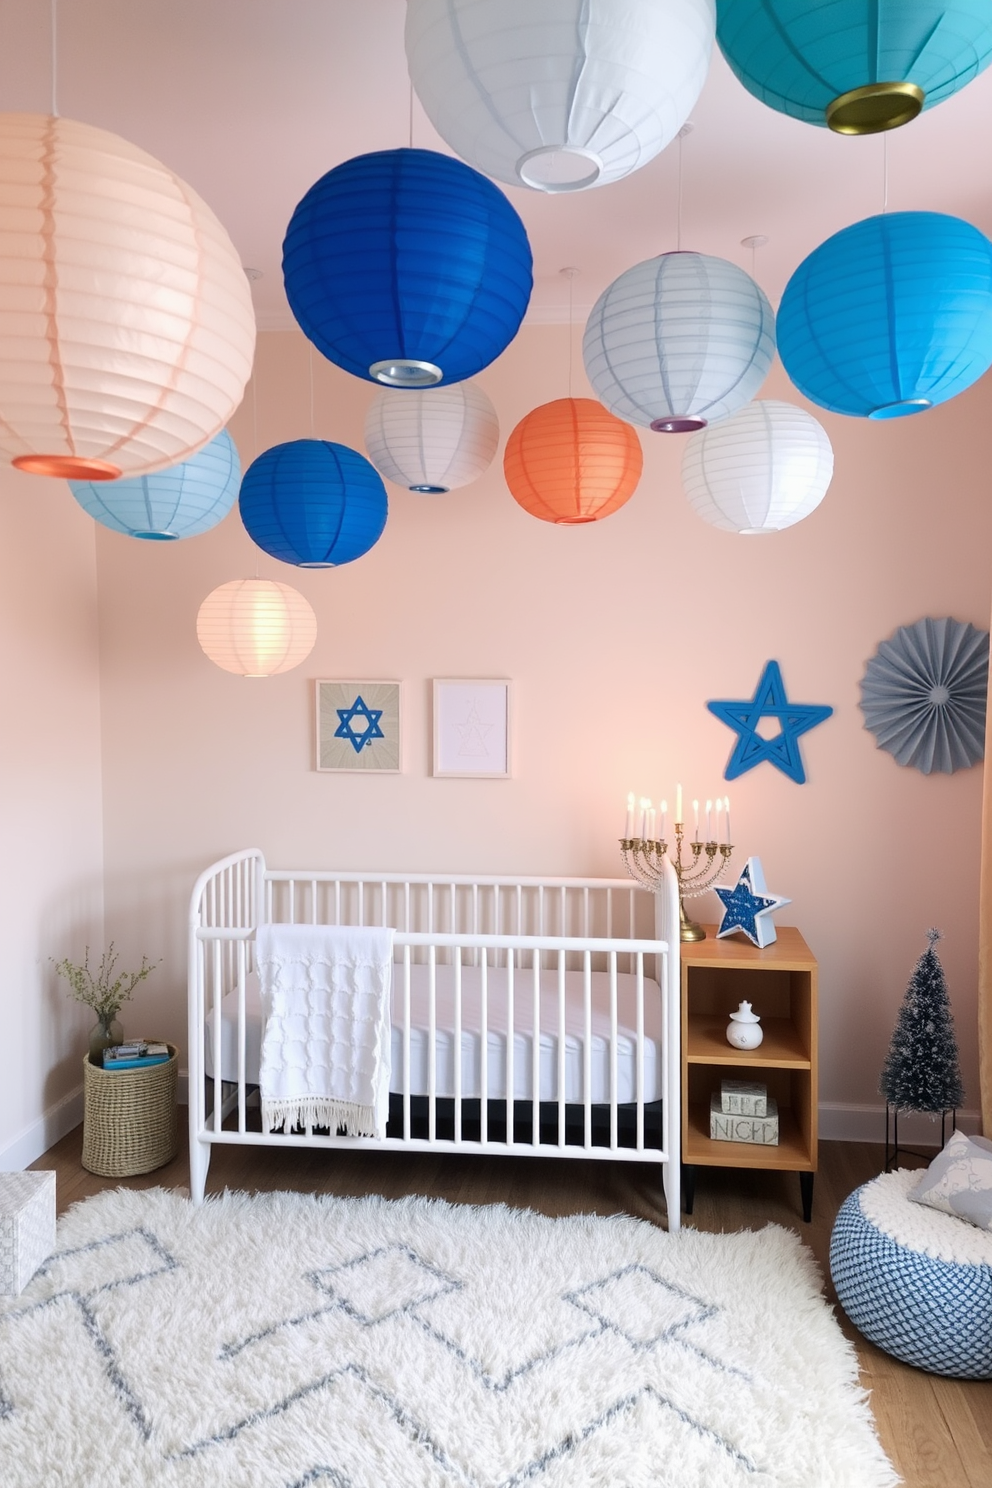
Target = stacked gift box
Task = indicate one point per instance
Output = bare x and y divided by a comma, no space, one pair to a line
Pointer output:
138,1054
743,1111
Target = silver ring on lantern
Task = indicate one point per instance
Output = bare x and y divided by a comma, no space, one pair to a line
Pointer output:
924,693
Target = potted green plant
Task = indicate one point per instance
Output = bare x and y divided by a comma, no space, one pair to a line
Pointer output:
103,992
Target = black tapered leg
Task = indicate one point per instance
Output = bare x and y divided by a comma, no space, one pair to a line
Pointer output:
688,1187
806,1191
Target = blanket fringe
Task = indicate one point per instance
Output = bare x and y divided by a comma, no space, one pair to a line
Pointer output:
309,1112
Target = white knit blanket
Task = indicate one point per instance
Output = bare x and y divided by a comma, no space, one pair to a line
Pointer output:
325,1058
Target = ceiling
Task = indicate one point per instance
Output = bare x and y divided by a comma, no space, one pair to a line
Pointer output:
252,100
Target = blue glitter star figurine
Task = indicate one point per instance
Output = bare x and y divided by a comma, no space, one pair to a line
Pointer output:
359,724
769,701
748,905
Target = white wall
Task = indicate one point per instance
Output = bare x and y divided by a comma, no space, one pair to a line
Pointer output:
51,870
615,635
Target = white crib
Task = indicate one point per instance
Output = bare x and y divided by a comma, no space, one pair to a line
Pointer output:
525,1019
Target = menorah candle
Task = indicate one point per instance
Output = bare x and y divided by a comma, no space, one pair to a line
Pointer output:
629,830
709,821
664,815
678,804
640,824
726,807
695,820
651,824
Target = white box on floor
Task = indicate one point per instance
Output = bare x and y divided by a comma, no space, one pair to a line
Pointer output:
27,1227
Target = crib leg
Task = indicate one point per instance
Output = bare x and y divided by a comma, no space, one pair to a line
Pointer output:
199,1162
673,1196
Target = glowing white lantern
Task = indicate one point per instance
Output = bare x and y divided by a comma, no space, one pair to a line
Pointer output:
432,440
764,468
679,341
558,94
126,324
256,627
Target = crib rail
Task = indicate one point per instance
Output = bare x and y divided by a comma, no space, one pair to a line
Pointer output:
531,966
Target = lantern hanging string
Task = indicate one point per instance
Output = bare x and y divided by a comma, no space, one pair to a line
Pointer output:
310,356
571,330
885,171
55,37
678,214
411,113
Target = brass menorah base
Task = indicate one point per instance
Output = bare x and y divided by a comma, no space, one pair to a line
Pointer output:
643,858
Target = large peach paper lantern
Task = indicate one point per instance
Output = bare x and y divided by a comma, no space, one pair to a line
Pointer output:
256,627
572,461
126,324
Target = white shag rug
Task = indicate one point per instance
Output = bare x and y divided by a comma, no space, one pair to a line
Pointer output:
286,1340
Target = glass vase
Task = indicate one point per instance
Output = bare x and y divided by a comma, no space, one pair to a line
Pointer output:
108,1031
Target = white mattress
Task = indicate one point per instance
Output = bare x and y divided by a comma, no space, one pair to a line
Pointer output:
471,1039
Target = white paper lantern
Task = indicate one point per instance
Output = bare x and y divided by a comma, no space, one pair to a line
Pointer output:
256,627
679,341
764,468
433,440
126,324
558,94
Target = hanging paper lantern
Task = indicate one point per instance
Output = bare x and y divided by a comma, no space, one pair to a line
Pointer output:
313,503
570,461
407,267
859,66
890,316
679,341
764,468
433,440
183,501
126,324
256,627
562,94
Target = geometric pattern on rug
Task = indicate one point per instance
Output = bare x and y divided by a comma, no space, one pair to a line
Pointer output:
477,1348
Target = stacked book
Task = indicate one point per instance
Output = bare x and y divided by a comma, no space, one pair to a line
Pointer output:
138,1054
743,1111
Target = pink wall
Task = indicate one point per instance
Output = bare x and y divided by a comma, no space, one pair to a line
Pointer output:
615,635
51,878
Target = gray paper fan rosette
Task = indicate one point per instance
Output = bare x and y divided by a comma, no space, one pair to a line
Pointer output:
923,695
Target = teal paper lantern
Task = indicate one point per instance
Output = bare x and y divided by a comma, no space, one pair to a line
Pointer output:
313,503
857,66
890,316
182,501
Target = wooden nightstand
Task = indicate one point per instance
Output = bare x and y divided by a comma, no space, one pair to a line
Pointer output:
780,984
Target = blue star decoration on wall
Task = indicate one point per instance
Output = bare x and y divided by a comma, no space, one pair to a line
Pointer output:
769,701
748,905
359,724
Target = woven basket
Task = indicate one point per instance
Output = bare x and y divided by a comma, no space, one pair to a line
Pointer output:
129,1118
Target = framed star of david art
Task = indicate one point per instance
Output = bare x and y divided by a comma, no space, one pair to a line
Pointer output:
471,727
358,726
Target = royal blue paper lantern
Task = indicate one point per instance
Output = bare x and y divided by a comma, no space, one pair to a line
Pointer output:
858,66
182,501
407,267
313,503
890,316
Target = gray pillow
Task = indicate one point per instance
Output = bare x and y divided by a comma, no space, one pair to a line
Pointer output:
959,1180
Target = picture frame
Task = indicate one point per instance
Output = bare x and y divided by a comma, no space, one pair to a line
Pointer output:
357,727
472,727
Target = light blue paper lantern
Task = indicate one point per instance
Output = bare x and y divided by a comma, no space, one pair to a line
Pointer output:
407,267
182,501
857,66
313,503
890,316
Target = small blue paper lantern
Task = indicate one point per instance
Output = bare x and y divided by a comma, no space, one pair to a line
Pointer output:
890,316
858,66
407,267
182,501
313,503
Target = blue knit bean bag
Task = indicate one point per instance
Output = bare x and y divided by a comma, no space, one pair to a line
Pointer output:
916,1282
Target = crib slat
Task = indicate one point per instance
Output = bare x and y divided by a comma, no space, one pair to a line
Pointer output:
484,1052
561,1048
239,950
432,1044
510,1041
639,1072
535,1053
587,1047
407,1132
613,1051
215,1024
458,1044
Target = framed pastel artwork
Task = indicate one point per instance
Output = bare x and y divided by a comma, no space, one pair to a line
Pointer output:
358,726
471,727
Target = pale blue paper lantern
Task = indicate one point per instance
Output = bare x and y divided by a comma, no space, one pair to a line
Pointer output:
857,66
182,501
890,316
679,341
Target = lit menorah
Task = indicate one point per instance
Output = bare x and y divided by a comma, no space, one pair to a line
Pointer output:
644,847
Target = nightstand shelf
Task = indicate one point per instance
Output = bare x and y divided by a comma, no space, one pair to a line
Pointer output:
780,983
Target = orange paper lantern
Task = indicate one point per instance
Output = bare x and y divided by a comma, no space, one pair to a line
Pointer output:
572,461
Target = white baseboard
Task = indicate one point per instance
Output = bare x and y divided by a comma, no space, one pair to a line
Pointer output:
844,1122
35,1141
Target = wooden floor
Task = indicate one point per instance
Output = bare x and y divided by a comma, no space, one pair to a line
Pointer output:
938,1432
